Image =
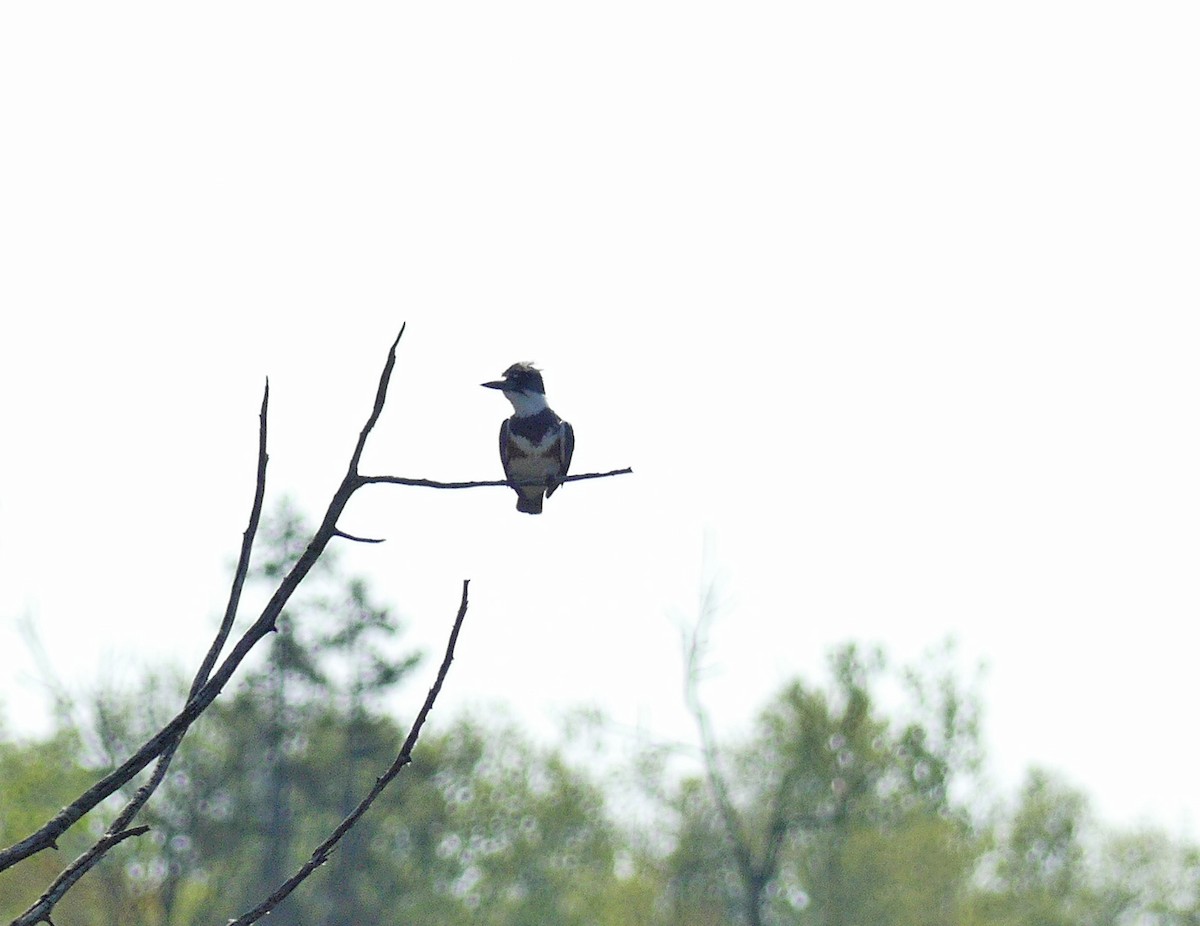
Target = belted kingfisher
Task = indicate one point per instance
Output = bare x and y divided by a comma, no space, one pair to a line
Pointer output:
534,443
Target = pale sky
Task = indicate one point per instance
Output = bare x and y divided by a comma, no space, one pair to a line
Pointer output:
891,307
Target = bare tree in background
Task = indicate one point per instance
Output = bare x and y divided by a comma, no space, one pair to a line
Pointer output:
827,781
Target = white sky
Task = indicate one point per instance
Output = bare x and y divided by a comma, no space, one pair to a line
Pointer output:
895,304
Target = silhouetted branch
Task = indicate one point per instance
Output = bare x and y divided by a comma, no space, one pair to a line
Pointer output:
434,484
380,397
694,646
321,854
163,741
94,854
40,911
243,564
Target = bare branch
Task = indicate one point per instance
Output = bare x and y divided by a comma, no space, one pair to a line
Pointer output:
755,873
321,853
694,646
433,484
40,911
163,741
380,397
243,564
118,827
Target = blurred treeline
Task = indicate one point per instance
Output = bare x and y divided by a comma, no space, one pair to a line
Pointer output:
831,810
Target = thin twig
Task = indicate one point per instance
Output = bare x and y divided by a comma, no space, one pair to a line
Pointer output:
434,484
380,397
243,564
321,853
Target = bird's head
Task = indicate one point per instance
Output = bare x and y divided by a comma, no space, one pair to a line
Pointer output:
522,385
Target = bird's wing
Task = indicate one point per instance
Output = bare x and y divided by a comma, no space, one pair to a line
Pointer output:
504,446
566,447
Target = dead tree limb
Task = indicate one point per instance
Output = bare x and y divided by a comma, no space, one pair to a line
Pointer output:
207,688
243,563
753,873
321,853
235,596
40,911
118,830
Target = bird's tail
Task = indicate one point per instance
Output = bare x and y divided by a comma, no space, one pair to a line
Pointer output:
530,504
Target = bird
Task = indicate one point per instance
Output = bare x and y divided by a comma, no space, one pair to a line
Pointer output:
535,444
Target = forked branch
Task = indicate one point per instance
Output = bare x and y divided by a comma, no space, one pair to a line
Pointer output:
118,830
40,911
755,869
695,645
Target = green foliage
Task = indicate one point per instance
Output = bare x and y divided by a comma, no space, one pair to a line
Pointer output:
833,811
482,825
36,780
836,812
1145,877
1051,864
480,820
487,827
523,834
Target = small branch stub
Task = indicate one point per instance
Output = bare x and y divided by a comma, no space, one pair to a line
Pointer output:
345,536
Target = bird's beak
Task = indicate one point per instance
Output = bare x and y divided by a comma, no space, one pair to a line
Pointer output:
495,384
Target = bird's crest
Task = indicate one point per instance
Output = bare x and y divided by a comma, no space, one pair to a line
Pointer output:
524,377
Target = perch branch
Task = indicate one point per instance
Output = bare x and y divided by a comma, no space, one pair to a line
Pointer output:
162,741
321,853
433,484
